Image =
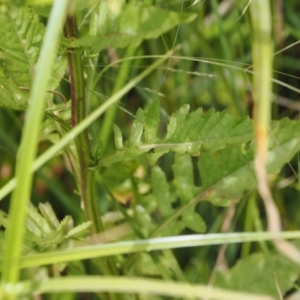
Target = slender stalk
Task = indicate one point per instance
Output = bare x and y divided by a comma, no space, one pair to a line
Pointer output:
109,118
232,87
170,242
262,88
140,286
82,142
29,144
78,111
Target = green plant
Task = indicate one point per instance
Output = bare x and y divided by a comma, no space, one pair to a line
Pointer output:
178,164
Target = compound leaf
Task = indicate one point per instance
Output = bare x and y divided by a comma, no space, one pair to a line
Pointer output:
186,133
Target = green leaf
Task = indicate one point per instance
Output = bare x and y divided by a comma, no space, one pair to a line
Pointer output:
259,273
37,224
152,121
11,96
160,190
193,221
137,128
177,118
20,36
79,230
184,178
213,129
58,71
230,171
48,213
186,132
131,23
118,137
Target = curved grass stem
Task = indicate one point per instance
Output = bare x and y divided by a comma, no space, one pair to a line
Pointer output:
29,144
262,90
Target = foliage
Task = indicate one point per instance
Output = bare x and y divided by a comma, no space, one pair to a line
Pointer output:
180,159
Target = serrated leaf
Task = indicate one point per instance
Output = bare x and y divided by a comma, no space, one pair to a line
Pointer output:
51,239
193,221
160,190
37,224
152,122
187,133
213,129
49,214
260,274
132,24
20,35
176,119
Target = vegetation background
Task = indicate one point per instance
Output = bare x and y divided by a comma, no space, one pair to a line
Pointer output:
168,95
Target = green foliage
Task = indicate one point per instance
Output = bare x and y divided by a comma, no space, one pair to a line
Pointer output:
260,274
186,132
124,24
45,231
20,36
183,151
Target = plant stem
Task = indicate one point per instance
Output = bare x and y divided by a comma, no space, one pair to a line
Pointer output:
30,138
109,118
78,111
261,18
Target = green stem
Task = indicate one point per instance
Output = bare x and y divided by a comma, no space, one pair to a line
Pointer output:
227,55
78,111
30,138
110,115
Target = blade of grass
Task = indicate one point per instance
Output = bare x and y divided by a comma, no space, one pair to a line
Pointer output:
135,285
227,54
262,89
102,250
30,138
109,118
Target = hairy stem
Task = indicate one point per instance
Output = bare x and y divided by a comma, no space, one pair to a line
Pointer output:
78,112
